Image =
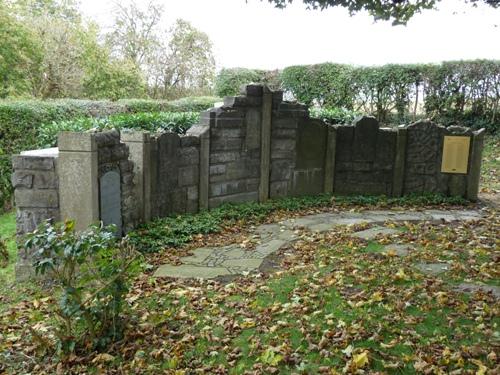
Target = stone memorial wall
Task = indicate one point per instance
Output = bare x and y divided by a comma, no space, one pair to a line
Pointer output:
252,148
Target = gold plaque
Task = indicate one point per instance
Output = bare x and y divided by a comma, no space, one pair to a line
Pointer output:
455,154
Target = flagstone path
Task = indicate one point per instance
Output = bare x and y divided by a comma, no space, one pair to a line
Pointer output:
231,260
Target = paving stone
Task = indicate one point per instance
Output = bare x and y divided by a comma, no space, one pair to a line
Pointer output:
247,265
287,235
270,247
370,234
433,268
233,259
472,288
351,220
400,250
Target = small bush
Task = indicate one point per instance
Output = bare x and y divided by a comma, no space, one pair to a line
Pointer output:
93,272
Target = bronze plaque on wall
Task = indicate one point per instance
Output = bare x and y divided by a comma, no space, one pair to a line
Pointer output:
455,154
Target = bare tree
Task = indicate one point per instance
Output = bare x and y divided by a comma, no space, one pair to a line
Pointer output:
135,31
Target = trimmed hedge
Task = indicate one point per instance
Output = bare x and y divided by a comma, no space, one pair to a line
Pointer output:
20,121
229,81
464,92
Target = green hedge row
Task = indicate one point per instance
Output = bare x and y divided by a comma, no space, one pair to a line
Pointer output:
178,122
21,120
229,81
466,92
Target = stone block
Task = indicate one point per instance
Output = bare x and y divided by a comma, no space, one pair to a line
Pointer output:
282,145
188,156
46,198
135,136
251,90
283,133
217,169
192,193
345,139
234,198
188,175
74,141
366,131
278,189
223,157
189,141
253,127
307,181
312,136
228,123
242,101
281,170
227,133
284,123
22,179
107,138
226,144
78,187
27,220
33,162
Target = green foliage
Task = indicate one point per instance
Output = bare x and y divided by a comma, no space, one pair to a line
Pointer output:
334,115
397,11
175,231
93,272
178,122
229,81
19,52
463,92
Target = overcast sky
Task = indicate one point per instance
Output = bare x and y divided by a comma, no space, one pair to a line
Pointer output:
254,34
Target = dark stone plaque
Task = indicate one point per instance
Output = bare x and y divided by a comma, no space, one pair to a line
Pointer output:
110,200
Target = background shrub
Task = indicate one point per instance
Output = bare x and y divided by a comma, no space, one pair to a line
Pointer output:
456,92
229,81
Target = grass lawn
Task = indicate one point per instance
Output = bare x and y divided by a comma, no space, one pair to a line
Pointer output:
338,304
490,169
7,232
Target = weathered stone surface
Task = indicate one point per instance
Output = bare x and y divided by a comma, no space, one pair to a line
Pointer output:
188,175
110,200
423,157
233,198
35,163
433,269
36,198
366,130
474,288
372,233
22,179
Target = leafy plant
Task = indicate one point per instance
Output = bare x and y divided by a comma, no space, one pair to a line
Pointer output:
334,115
92,270
178,122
